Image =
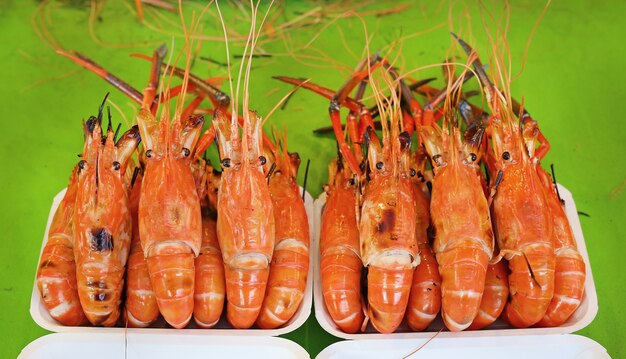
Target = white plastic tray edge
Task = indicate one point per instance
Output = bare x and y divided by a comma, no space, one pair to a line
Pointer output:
589,304
40,315
569,346
109,345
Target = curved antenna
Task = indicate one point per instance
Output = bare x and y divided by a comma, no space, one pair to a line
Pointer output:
255,38
228,67
188,48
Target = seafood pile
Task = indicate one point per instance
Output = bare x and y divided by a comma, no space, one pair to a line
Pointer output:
463,222
156,230
467,226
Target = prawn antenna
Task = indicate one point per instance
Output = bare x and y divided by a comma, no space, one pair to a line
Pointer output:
110,125
555,186
136,172
117,131
495,187
101,108
270,172
306,176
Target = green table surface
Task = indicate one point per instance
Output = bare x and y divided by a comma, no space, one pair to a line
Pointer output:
572,82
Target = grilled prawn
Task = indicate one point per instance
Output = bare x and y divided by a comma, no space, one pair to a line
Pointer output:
56,274
102,222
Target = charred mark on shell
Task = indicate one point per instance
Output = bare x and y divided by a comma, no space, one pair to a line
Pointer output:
101,240
437,160
90,125
198,120
222,99
175,215
387,222
132,133
99,284
405,141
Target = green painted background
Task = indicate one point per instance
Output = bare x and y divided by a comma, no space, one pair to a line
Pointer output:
573,84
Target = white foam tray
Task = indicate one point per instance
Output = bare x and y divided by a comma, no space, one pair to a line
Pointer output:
510,347
158,346
41,316
584,315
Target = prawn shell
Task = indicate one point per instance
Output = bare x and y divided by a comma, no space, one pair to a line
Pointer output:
387,236
210,287
141,306
245,230
570,269
290,262
387,219
340,262
425,297
463,241
169,209
102,231
522,223
170,227
494,296
56,273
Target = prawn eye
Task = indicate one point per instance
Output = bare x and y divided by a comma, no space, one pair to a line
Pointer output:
186,152
473,156
149,153
116,165
379,165
352,181
263,160
226,162
506,156
413,172
82,164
